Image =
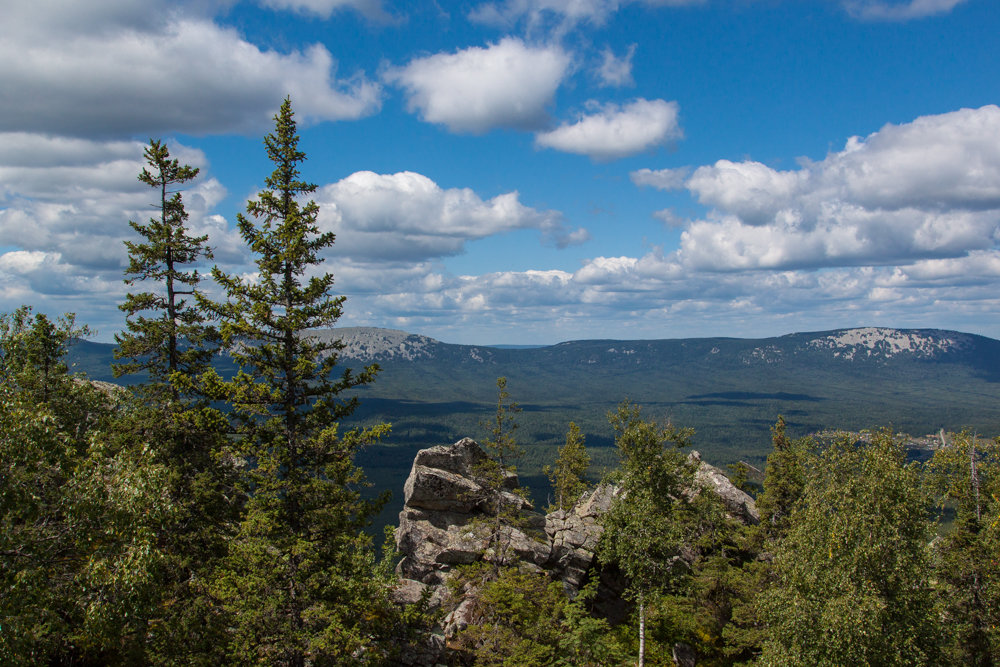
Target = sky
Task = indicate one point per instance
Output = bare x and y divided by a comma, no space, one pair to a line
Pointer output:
527,171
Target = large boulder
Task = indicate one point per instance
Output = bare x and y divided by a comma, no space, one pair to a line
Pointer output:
444,521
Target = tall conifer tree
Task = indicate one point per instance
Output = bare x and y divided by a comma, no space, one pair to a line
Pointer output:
299,569
173,339
567,476
967,475
169,338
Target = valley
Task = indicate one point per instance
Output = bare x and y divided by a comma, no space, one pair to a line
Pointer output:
729,390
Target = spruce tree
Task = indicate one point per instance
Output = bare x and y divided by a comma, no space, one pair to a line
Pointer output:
966,475
168,338
175,338
298,582
32,348
502,501
784,480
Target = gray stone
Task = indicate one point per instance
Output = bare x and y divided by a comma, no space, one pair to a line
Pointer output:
443,525
738,503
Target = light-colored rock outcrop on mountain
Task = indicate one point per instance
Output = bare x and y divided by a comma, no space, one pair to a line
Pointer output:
886,343
375,344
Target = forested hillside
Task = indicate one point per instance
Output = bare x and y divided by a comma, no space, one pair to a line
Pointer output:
728,390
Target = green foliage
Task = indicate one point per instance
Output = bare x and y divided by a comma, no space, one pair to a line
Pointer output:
299,580
588,641
174,338
519,617
966,475
80,505
188,626
784,482
501,501
515,619
500,442
852,575
173,344
747,579
649,525
31,355
643,533
568,475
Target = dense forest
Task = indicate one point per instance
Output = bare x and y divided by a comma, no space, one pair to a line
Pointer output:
201,519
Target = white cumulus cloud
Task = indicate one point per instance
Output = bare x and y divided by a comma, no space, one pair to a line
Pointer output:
65,204
408,217
616,131
923,190
507,84
145,68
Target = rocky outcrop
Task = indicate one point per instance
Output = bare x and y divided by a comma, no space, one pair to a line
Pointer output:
574,534
443,525
738,503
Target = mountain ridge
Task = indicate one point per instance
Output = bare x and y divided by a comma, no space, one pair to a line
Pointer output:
373,344
730,390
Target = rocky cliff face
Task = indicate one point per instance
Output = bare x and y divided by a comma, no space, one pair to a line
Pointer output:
438,528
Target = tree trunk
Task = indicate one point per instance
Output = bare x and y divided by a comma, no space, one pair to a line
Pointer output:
642,632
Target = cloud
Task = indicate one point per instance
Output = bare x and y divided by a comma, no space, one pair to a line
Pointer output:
406,217
615,70
371,9
616,131
906,10
661,179
507,84
669,218
65,204
558,16
537,13
899,228
644,297
158,70
977,267
929,189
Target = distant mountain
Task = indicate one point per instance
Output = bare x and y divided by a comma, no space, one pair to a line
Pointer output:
920,379
730,390
870,344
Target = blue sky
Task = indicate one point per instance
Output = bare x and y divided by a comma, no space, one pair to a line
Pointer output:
529,171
